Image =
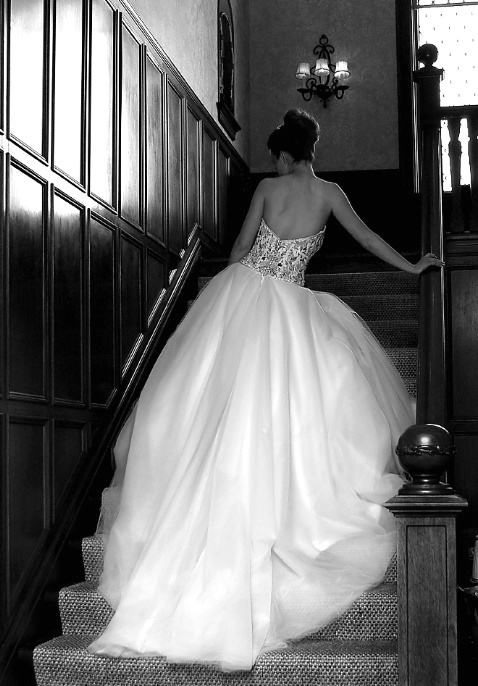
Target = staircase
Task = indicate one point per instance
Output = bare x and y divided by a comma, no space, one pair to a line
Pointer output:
358,649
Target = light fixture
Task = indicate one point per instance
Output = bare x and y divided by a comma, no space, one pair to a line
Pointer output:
325,79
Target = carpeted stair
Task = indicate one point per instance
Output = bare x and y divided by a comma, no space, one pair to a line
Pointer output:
358,649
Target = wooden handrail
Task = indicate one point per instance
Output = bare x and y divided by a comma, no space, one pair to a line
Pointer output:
431,384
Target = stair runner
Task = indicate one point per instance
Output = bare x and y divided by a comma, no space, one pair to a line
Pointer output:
358,649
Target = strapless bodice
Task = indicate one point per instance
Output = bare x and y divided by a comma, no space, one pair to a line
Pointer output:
282,258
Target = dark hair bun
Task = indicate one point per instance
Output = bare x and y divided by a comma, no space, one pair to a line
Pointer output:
298,135
303,123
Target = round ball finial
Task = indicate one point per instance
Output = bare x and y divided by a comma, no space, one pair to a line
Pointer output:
427,54
425,452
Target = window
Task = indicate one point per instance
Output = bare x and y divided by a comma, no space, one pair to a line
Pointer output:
452,25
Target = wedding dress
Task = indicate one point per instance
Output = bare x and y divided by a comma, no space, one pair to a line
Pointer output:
246,508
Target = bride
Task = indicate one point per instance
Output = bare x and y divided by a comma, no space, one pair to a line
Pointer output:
246,508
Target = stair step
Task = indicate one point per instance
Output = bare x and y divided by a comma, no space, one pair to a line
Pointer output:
410,385
405,360
382,305
395,333
391,307
355,283
92,547
64,661
84,611
363,283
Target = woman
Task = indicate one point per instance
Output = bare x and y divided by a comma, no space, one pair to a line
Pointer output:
251,475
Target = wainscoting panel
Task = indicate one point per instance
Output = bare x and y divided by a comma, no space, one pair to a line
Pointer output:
68,302
193,176
175,166
102,312
223,180
104,102
27,325
157,281
69,78
107,164
131,130
28,78
464,336
27,440
131,297
154,180
209,184
70,439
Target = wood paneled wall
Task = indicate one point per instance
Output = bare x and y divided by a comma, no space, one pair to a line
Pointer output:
462,285
107,162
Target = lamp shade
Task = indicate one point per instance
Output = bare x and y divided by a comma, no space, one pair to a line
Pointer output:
341,70
303,70
321,67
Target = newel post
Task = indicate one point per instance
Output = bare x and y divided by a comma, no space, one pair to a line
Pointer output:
425,508
426,512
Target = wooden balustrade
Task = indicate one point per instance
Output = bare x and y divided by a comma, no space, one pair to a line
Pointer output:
464,198
425,508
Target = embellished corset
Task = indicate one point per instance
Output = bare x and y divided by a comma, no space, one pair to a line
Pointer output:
282,258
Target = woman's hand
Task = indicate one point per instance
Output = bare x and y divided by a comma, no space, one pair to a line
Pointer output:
427,261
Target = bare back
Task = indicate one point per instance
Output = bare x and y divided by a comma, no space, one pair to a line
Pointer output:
296,205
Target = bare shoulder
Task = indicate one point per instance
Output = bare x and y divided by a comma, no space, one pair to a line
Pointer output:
328,187
265,185
271,185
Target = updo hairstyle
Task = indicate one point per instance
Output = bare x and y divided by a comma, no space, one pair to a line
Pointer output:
297,135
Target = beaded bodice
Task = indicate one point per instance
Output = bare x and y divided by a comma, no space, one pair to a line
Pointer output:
282,258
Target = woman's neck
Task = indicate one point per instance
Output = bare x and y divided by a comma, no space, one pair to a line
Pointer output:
302,167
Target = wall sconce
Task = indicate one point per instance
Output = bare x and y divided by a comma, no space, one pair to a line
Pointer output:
325,79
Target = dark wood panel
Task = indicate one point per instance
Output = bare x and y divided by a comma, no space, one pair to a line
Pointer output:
103,111
175,169
68,301
464,335
130,127
27,84
424,599
209,184
154,151
68,88
27,518
223,164
131,296
26,309
69,441
102,312
237,204
465,476
156,281
193,175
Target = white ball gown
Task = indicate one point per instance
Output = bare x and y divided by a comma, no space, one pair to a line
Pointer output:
246,508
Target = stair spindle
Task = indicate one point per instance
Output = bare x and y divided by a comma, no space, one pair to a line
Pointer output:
473,156
454,150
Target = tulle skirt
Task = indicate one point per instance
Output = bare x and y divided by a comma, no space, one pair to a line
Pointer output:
246,508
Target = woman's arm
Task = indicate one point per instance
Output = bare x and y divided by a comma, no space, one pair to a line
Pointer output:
245,239
345,214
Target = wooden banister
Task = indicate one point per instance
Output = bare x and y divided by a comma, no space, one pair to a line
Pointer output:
425,508
431,387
